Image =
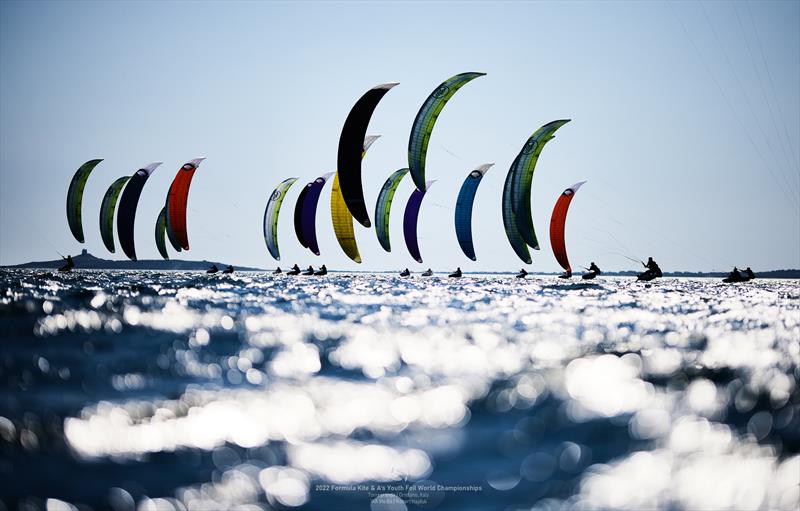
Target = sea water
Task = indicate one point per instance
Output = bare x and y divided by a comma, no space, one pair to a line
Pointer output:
180,390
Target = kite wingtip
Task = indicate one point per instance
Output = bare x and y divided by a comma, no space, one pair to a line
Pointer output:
483,169
387,85
369,140
153,166
577,186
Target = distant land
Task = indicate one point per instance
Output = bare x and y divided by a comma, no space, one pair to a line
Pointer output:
86,261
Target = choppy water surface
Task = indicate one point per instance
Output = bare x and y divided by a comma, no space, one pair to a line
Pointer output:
161,391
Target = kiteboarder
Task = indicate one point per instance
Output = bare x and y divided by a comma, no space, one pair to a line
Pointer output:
522,274
405,273
735,276
456,274
213,269
428,273
309,271
323,270
593,271
228,269
749,273
68,266
277,271
294,271
653,271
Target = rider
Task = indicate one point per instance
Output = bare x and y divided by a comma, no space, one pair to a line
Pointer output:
652,267
594,269
457,273
735,275
69,265
749,273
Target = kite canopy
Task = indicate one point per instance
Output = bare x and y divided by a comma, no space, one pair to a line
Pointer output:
107,212
423,124
298,215
173,240
384,206
308,214
177,200
128,202
522,177
351,149
510,219
341,218
271,216
161,233
558,222
463,216
75,198
410,221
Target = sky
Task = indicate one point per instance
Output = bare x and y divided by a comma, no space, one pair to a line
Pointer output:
685,123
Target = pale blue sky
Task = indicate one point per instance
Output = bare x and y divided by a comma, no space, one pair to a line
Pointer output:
688,142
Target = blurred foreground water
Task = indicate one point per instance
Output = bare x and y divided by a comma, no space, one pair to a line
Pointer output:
170,391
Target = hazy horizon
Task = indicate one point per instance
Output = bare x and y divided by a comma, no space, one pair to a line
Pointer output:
685,123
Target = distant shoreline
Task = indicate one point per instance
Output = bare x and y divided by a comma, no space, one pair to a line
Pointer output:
86,261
